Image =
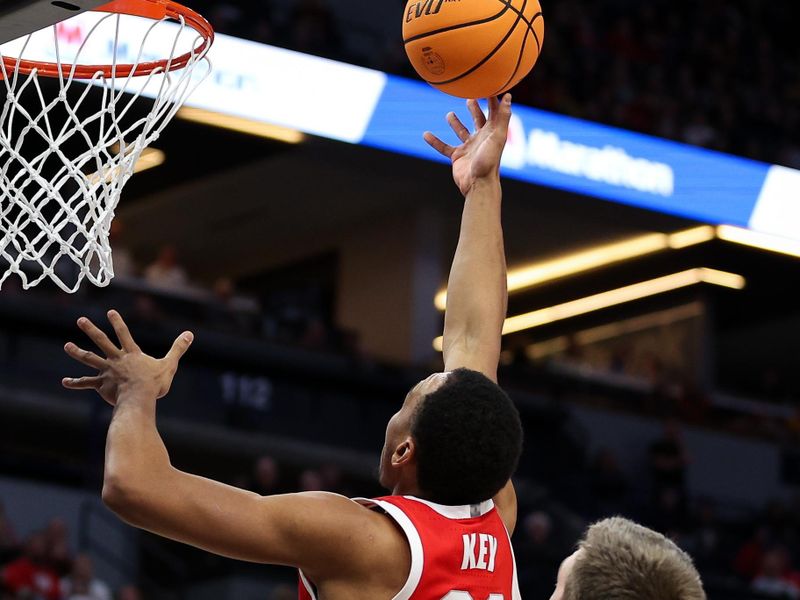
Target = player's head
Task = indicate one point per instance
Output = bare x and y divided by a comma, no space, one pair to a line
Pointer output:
456,440
620,560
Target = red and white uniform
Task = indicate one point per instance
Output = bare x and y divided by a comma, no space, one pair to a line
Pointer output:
457,552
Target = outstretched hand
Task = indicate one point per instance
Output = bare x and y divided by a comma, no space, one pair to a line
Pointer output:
126,365
479,154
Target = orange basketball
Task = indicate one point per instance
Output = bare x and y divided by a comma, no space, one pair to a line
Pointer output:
473,48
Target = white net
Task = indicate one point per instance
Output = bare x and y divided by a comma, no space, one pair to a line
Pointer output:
69,145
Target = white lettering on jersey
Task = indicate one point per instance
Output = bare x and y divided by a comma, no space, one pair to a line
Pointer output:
492,552
469,551
484,541
477,548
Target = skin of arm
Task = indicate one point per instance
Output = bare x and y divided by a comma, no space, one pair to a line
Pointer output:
477,295
328,536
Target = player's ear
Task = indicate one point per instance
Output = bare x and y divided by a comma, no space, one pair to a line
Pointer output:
405,452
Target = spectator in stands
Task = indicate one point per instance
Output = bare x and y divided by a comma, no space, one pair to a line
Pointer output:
266,477
146,309
778,520
283,592
699,132
750,555
81,584
669,513
226,16
165,272
30,576
129,592
538,554
314,29
311,481
59,555
705,542
9,542
608,485
316,335
777,579
229,311
668,462
124,265
263,28
332,480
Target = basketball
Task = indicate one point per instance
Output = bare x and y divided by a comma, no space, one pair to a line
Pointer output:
473,48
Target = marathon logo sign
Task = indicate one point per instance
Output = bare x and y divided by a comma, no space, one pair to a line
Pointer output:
608,164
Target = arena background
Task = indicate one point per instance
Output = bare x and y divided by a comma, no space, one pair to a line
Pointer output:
307,260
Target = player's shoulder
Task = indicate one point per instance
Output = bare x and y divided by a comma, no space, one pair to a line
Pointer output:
369,540
356,514
337,505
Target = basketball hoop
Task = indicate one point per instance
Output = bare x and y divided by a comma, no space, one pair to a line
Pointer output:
83,99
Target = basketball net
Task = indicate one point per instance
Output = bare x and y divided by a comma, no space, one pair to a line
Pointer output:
70,139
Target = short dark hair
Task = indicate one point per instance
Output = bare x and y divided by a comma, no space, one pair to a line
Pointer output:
468,437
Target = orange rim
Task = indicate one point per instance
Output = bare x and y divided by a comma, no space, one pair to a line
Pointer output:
149,9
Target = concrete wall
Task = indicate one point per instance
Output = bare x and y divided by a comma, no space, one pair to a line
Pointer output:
389,274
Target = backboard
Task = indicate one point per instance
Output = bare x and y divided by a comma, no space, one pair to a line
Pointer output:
20,17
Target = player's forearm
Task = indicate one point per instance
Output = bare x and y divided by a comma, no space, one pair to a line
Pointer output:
137,464
476,292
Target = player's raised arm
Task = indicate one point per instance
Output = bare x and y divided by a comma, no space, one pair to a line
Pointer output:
476,291
324,534
477,296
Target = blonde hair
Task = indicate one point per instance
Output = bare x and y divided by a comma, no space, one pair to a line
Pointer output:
620,560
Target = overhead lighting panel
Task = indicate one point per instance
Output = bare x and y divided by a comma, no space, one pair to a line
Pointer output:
622,295
756,239
242,125
597,256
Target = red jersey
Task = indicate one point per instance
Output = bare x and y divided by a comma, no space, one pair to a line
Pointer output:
457,552
34,581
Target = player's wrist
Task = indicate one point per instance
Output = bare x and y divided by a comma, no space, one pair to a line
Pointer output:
489,184
138,390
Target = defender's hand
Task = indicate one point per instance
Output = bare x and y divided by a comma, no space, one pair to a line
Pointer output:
123,367
479,154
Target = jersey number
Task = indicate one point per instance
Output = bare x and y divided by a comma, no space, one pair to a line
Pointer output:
457,595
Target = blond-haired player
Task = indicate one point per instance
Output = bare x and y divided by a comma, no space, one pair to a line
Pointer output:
620,560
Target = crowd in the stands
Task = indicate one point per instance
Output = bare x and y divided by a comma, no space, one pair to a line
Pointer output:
716,74
160,288
747,555
43,566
